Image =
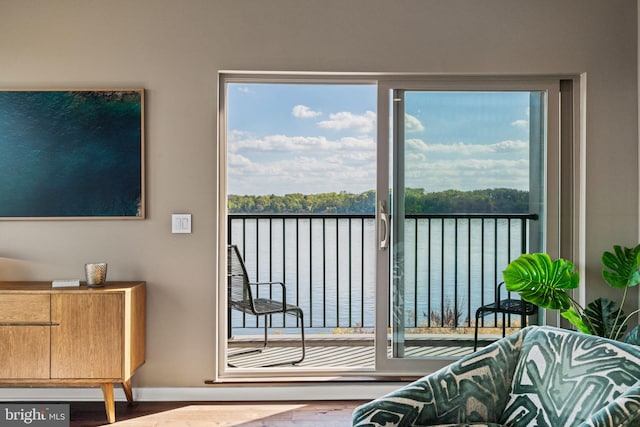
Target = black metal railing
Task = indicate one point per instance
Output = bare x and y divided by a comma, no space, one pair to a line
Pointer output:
452,264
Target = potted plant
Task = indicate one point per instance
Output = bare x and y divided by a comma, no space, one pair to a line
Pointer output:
546,283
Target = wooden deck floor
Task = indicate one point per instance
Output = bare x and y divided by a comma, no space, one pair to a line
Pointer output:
340,353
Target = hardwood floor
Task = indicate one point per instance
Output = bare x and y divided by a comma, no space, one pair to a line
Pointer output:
201,414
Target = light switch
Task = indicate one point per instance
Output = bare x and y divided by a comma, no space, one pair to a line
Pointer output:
181,223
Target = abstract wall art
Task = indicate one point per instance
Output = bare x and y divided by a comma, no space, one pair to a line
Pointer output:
72,154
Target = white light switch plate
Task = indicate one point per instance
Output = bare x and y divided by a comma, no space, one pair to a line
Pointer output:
181,223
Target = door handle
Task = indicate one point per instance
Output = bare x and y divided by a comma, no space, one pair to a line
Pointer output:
383,227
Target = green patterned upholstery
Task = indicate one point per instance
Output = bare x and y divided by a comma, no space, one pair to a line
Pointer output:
539,376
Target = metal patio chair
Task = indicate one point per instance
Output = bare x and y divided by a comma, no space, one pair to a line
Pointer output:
241,298
504,306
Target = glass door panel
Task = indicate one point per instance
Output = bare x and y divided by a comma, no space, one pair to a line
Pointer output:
467,195
300,196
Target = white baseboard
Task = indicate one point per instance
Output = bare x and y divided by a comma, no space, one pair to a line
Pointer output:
284,392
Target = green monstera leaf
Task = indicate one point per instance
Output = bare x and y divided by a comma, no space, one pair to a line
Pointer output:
621,267
576,320
633,337
541,281
602,315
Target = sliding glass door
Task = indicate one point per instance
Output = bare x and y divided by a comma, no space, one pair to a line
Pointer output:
388,206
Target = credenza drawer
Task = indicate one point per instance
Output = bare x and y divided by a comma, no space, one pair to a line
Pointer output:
17,308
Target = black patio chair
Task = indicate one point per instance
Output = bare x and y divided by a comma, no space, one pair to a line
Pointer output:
504,307
241,298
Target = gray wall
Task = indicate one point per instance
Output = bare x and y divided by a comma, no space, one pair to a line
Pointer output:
174,50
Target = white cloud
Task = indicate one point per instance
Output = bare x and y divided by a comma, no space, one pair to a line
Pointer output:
417,144
522,123
283,164
363,123
306,174
235,135
469,149
238,161
510,147
241,141
479,164
357,156
412,124
244,89
466,174
283,143
415,157
360,143
304,112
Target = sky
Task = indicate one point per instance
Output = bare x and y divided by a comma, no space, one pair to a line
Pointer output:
317,138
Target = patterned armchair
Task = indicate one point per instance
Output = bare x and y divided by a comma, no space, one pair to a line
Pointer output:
539,376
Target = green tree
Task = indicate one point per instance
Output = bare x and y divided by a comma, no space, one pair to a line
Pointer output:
497,200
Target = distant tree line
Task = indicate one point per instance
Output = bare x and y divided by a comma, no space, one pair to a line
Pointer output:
496,200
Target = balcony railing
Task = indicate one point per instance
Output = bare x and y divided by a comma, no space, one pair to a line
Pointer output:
452,264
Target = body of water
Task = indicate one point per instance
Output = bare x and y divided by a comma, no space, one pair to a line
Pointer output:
448,266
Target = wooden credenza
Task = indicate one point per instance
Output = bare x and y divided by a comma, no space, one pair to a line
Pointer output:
77,336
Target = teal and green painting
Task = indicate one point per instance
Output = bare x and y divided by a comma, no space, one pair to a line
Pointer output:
73,153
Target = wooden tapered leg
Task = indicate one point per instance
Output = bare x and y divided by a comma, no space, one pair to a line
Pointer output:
109,402
128,391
